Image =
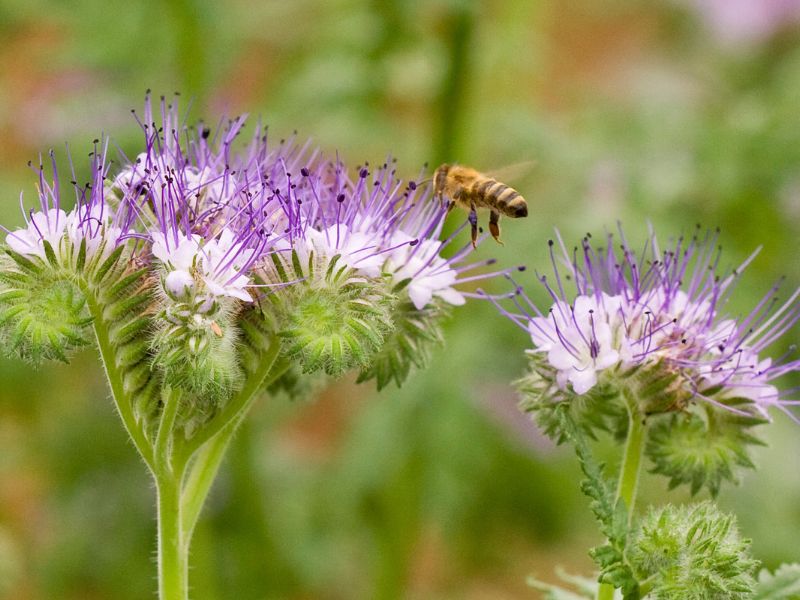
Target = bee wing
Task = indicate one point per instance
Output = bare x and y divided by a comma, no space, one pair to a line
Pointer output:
513,172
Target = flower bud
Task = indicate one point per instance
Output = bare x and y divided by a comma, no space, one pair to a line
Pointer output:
197,352
701,448
179,285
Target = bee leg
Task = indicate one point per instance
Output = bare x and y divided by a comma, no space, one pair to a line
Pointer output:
473,221
494,226
458,196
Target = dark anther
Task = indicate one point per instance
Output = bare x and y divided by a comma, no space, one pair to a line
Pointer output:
550,243
521,268
340,198
206,132
363,174
412,185
304,172
413,242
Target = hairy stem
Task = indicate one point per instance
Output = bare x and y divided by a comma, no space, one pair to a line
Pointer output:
632,460
163,450
629,471
173,551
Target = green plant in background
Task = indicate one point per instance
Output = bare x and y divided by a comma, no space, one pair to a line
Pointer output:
637,344
209,274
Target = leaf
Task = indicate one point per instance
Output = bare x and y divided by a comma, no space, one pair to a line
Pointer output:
784,584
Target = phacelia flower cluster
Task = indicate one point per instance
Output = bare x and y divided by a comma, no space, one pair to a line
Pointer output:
659,315
332,262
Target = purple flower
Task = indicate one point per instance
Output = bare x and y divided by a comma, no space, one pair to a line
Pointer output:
376,225
212,212
215,213
615,311
93,221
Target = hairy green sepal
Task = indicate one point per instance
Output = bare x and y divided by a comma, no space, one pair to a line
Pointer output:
702,447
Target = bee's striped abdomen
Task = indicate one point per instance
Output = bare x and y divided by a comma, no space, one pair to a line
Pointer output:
502,198
481,188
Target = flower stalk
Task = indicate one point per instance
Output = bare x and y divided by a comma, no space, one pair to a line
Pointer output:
629,471
173,545
632,457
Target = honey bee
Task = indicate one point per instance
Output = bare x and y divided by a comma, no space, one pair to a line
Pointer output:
471,190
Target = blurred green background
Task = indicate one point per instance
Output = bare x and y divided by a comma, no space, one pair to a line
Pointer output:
677,112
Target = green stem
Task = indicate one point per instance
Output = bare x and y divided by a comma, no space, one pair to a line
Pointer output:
173,551
631,462
121,400
629,471
163,452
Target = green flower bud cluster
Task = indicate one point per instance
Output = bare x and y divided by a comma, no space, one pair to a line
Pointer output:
701,448
691,552
195,351
333,319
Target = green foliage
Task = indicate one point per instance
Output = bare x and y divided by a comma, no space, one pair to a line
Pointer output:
416,333
701,450
783,584
692,552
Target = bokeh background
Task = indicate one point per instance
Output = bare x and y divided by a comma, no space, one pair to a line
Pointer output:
675,112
